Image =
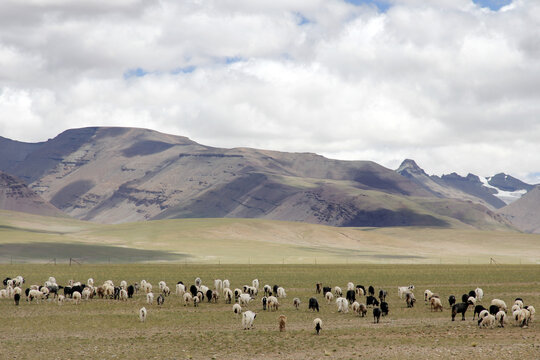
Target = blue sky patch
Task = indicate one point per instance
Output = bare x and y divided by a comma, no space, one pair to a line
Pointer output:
494,5
233,59
138,72
302,20
382,5
184,70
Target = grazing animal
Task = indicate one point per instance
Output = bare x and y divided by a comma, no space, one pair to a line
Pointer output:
160,299
123,295
471,300
187,298
226,284
326,289
501,304
410,300
493,309
376,315
142,314
296,303
371,290
196,301
477,310
402,290
130,291
501,318
193,290
382,295
244,299
76,297
329,297
435,304
351,296
247,319
318,325
198,282
486,321
274,288
472,293
318,288
273,303
451,300
384,308
282,322
228,295
267,290
264,301
350,286
150,298
460,308
371,300
237,309
479,294
342,305
281,292
313,304
17,298
337,291
209,295
464,298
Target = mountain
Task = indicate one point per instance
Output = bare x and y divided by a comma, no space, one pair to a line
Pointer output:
509,189
525,212
115,175
16,196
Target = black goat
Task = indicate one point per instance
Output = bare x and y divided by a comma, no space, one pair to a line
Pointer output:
130,291
318,288
477,310
371,290
209,295
193,290
371,300
264,302
382,295
464,298
17,298
313,304
351,296
451,300
376,315
384,308
493,309
460,308
326,289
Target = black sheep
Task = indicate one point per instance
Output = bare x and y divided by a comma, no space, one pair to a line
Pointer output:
384,308
209,295
17,298
68,290
376,315
27,291
371,300
313,304
5,281
264,302
351,296
326,289
130,291
160,299
116,295
361,287
382,295
464,298
472,293
477,310
275,287
451,300
371,290
318,288
193,290
459,308
493,309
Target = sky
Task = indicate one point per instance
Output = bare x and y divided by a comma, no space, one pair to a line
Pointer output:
452,84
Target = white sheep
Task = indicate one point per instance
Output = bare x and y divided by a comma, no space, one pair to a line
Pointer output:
237,309
247,319
161,285
296,303
360,291
228,295
402,290
519,303
187,298
355,307
76,297
33,294
196,301
483,313
150,298
166,291
61,299
427,296
267,289
244,299
4,294
479,294
435,304
148,288
501,318
350,286
514,308
123,284
273,303
198,282
318,325
500,304
338,291
123,295
89,282
522,317
226,284
52,280
487,321
471,300
281,292
342,304
329,297
218,285
255,283
532,311
86,293
142,314
180,289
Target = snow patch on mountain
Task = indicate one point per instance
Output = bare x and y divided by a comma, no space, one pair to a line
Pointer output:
507,196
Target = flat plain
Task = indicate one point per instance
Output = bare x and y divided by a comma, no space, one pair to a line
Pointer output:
108,329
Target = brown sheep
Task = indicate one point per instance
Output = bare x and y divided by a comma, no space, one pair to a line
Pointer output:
282,322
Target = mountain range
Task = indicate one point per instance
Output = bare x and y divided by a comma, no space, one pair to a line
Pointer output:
116,175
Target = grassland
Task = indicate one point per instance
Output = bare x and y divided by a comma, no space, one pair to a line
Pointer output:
110,329
30,238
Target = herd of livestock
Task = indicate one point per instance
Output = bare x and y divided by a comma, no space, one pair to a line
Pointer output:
272,297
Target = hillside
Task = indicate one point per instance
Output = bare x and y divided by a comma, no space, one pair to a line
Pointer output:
117,175
525,212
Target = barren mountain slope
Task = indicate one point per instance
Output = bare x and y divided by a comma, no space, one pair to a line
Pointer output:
525,212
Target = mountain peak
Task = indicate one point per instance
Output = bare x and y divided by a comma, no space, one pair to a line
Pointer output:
410,167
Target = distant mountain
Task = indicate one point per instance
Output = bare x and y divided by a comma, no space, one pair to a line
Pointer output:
115,175
16,196
524,213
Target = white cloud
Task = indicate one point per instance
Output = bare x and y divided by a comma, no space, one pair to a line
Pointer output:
449,84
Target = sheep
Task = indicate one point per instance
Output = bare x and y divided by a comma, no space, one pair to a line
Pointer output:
487,321
160,299
479,294
296,303
193,290
17,298
337,291
228,295
532,311
355,307
282,322
60,299
493,309
204,289
318,325
501,304
196,301
342,304
477,310
209,295
237,293
199,296
180,290
198,282
350,286
215,296
329,297
482,314
326,289
519,303
471,300
384,308
273,303
522,317
244,299
371,300
376,315
281,292
267,290
264,302
501,318
166,291
464,297
313,304
130,291
318,288
33,294
351,296
86,293
472,293
371,290
218,285
410,299
435,304
515,307
226,284
142,314
237,309
382,295
123,295
427,296
402,290
247,319
360,291
123,284
76,297
274,288
150,298
255,283
459,308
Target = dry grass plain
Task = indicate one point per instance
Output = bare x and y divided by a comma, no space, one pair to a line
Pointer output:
109,329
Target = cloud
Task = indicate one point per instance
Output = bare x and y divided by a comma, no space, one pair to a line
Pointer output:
452,84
